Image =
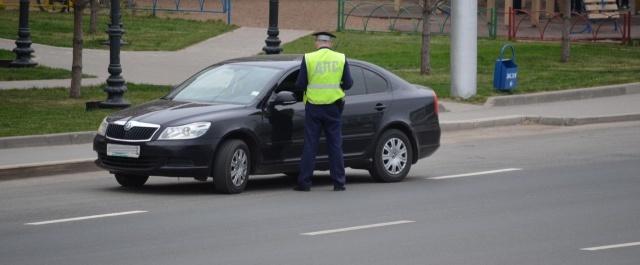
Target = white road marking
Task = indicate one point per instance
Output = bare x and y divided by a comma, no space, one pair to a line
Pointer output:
612,246
324,232
84,218
476,173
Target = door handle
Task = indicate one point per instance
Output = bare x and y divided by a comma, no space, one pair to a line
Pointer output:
380,107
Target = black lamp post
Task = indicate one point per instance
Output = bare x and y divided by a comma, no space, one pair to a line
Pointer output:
115,83
273,43
23,48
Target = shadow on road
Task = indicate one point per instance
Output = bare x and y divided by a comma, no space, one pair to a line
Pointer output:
188,186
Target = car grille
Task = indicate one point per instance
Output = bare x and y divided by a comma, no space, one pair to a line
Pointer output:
125,162
116,131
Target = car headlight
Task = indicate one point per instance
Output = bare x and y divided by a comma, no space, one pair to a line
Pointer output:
188,131
102,130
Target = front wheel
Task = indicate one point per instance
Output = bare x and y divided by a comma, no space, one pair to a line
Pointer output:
392,157
130,180
231,167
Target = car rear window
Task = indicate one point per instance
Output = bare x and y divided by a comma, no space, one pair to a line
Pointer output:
375,83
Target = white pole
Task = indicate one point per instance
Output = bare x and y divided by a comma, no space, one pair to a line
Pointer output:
464,48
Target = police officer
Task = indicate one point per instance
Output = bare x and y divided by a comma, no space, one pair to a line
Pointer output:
324,74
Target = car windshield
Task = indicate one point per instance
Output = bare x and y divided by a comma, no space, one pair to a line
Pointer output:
230,83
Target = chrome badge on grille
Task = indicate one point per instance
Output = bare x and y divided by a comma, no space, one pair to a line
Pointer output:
128,126
131,131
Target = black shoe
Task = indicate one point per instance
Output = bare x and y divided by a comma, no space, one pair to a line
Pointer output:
299,188
339,188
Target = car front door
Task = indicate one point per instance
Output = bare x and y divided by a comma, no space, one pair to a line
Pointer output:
283,127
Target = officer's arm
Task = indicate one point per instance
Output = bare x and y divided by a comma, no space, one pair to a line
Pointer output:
347,81
302,81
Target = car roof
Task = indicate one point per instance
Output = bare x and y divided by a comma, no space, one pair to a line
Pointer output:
279,60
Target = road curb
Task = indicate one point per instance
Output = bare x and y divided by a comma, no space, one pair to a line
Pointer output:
564,95
449,126
47,139
47,169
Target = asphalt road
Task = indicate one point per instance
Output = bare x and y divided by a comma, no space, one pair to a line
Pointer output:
567,192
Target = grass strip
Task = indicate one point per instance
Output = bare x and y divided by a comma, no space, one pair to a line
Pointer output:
44,111
539,66
142,32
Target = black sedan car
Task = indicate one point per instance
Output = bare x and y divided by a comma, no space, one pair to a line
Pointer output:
245,116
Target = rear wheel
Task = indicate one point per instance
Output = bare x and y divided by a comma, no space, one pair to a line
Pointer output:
130,180
231,167
392,157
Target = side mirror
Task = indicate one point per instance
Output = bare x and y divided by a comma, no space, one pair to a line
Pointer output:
284,98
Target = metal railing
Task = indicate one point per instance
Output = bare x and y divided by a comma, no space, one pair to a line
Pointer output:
582,28
197,6
365,16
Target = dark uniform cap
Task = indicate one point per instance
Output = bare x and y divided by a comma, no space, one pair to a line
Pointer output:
324,36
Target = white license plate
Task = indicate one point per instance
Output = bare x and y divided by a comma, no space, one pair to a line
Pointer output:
121,150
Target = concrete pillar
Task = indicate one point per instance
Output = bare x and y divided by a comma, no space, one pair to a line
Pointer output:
535,12
464,47
549,6
507,4
397,4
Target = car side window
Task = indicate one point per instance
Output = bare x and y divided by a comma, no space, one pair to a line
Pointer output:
289,84
358,87
375,83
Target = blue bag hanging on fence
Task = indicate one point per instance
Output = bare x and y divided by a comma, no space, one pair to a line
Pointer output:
505,73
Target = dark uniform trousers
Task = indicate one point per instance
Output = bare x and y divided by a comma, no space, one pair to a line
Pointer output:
325,118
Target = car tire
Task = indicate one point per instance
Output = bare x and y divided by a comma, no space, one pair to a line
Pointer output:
130,180
231,167
392,157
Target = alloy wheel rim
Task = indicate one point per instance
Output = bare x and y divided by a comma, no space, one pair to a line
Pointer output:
239,163
394,155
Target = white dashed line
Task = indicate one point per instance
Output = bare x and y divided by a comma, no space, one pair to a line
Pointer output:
476,173
84,218
632,244
346,229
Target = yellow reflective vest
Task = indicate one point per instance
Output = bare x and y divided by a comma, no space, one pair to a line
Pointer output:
324,72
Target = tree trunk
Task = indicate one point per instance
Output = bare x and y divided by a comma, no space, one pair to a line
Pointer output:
93,20
565,7
76,65
425,55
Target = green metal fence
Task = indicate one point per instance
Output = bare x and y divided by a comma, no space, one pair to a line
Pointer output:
356,15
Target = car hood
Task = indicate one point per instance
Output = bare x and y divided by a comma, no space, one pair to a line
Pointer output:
168,112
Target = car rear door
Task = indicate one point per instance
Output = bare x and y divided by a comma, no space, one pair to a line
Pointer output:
366,103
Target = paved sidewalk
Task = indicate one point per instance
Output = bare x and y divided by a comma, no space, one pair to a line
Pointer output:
48,83
159,68
594,107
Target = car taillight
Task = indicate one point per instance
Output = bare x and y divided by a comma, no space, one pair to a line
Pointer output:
436,107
